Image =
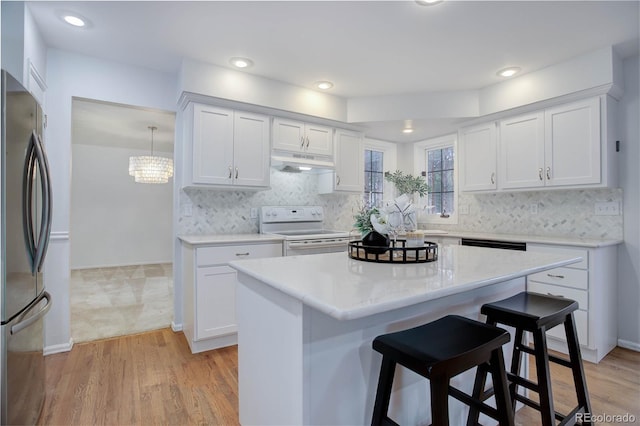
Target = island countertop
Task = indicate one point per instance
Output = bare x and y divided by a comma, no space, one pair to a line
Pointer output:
347,289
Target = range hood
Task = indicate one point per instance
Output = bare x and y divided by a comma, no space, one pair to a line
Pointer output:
298,162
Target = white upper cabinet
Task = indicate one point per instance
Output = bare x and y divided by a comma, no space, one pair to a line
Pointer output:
572,144
478,163
349,173
229,148
568,146
296,136
521,149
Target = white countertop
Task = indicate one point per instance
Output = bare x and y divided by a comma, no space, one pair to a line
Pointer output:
565,241
213,239
347,289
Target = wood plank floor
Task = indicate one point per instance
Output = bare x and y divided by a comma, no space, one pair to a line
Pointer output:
152,378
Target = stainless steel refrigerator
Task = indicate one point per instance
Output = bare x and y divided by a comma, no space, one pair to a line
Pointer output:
26,226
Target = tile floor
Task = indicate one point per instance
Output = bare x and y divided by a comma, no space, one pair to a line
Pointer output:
109,302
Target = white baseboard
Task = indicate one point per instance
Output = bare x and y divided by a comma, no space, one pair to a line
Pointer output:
634,346
176,327
55,349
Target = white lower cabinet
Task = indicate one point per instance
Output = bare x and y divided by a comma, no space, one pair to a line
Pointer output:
593,284
209,286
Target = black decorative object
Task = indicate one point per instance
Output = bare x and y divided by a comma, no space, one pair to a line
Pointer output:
375,243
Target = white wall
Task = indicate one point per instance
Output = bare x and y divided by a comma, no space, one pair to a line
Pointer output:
115,221
70,75
629,252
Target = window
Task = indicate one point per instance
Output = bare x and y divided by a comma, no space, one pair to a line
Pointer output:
440,178
373,178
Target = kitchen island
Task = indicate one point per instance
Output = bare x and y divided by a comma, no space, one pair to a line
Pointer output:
306,323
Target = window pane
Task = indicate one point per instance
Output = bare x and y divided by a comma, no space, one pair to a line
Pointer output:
376,160
367,159
434,160
447,180
447,155
367,182
448,202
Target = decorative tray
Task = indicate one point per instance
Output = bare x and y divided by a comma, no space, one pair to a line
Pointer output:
395,253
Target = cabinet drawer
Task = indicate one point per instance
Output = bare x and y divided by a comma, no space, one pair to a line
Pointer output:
576,252
576,278
581,319
580,296
223,254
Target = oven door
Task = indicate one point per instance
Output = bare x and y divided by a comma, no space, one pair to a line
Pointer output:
316,246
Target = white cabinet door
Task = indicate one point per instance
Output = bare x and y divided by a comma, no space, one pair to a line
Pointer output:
319,140
521,149
295,136
212,145
572,144
251,149
349,174
478,151
288,135
215,302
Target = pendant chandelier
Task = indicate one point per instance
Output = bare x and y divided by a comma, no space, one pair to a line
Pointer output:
151,168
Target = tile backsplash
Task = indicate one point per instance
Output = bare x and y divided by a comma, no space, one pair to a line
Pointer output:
228,211
569,213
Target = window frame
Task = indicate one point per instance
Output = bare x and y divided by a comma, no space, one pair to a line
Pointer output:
420,165
389,163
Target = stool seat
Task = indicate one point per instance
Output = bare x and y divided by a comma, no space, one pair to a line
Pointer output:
451,344
439,351
530,311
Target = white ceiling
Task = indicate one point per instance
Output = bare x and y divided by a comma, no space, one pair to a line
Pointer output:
367,48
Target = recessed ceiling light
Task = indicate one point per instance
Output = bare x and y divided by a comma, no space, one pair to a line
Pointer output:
241,62
74,19
324,85
428,2
508,72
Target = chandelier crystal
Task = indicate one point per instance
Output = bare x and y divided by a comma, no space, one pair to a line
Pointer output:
151,168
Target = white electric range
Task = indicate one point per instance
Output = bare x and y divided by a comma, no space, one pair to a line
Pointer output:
302,228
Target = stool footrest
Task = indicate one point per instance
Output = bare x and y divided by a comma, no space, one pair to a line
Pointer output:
472,402
521,381
533,404
525,348
561,361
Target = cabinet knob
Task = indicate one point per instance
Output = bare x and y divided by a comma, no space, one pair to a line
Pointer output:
549,173
540,173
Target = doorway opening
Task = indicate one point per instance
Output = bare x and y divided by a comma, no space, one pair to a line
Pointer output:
120,230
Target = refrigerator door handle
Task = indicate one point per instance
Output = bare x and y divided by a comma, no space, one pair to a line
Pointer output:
27,202
45,223
24,323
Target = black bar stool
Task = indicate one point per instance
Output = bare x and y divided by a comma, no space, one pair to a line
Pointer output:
439,351
536,313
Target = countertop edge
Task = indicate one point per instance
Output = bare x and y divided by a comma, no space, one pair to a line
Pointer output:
225,239
345,315
529,239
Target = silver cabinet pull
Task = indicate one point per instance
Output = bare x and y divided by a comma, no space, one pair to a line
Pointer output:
540,173
549,173
556,276
230,172
242,254
337,180
236,173
493,178
308,141
301,142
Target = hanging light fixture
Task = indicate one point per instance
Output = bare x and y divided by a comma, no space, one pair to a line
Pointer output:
151,168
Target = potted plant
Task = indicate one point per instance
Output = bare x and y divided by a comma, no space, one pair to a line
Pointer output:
407,185
371,225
